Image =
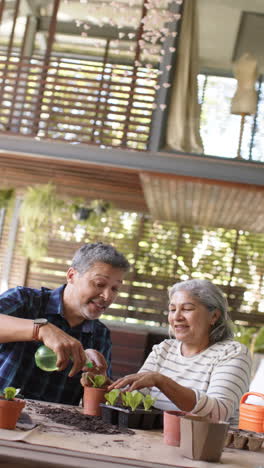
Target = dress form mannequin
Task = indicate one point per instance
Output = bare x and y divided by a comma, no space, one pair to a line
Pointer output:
246,73
244,101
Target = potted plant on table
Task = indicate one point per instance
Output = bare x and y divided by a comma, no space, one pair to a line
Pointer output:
93,395
131,409
10,407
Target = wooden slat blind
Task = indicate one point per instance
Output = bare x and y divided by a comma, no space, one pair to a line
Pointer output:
81,100
162,253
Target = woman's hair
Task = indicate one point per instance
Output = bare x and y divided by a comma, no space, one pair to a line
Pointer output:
92,253
212,298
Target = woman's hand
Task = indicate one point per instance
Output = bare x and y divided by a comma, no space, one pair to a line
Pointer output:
65,346
137,381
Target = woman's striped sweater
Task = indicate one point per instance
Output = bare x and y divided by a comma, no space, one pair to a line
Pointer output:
219,376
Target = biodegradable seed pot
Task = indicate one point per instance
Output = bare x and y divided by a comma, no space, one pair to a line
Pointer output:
202,439
10,408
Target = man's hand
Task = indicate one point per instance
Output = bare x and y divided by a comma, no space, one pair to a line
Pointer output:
65,346
98,361
99,367
86,376
137,381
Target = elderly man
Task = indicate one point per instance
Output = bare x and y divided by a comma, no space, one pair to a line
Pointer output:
65,320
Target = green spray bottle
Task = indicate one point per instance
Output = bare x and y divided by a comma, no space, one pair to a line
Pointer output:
46,359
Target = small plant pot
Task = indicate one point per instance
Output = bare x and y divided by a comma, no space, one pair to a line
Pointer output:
92,397
9,412
109,414
129,418
138,419
171,427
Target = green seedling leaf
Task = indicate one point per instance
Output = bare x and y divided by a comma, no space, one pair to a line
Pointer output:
112,397
148,402
10,393
97,381
124,398
134,399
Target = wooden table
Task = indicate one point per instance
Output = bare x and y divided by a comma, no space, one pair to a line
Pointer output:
52,445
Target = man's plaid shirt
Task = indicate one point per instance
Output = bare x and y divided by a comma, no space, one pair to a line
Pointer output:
17,360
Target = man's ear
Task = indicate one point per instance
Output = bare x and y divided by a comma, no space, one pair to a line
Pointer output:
71,274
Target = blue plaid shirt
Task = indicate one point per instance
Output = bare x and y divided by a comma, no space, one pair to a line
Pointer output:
17,360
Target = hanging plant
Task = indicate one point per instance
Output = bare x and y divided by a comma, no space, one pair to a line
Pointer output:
43,214
93,212
39,210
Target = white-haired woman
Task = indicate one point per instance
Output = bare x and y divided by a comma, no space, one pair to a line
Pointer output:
203,371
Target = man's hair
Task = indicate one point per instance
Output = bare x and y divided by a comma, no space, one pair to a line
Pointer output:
89,254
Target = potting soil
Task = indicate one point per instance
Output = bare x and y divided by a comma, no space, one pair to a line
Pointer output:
73,417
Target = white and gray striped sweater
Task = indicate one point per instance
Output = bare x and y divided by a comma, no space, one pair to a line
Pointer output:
219,376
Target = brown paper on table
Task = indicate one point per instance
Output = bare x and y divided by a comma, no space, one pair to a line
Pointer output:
143,445
16,435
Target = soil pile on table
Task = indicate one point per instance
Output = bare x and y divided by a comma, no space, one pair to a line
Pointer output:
74,418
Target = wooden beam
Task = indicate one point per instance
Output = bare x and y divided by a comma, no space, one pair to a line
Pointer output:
209,167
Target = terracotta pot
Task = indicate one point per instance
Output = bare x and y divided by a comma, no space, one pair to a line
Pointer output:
9,412
171,427
92,397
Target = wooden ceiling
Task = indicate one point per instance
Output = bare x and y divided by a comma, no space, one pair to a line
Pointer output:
169,197
203,202
77,179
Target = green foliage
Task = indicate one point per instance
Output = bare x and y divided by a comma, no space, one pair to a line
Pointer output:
244,334
5,196
148,402
259,341
43,214
10,393
112,397
97,381
39,209
132,399
252,337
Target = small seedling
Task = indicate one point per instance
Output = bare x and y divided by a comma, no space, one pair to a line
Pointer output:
132,399
97,381
10,393
112,397
148,402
